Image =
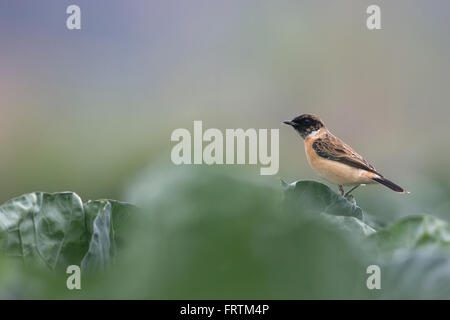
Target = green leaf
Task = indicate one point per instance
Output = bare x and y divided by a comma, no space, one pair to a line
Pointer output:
418,274
351,225
122,214
45,228
101,246
56,230
412,233
312,197
414,257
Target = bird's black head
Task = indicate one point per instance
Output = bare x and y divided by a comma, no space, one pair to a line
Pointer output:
305,124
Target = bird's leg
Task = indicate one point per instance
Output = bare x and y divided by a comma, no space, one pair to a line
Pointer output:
341,189
349,191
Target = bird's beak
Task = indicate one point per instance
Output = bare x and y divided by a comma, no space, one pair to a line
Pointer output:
289,122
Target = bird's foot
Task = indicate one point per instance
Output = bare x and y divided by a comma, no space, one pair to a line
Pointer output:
350,198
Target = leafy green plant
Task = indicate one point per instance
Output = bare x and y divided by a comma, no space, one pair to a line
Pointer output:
415,232
204,234
315,197
56,230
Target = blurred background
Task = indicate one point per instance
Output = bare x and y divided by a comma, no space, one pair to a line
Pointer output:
92,111
87,110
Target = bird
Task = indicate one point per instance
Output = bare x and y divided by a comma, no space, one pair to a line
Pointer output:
333,159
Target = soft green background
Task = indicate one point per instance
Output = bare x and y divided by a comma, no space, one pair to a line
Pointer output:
88,110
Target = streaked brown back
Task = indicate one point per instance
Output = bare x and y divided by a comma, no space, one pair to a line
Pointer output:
332,148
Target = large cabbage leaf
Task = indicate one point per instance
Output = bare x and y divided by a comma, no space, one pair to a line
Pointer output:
57,230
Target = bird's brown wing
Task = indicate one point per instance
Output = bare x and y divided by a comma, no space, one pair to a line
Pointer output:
332,148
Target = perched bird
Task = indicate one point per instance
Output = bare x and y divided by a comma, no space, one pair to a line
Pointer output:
335,160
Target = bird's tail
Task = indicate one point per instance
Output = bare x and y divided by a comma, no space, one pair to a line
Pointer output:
389,184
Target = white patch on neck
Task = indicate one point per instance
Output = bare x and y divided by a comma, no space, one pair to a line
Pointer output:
312,134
